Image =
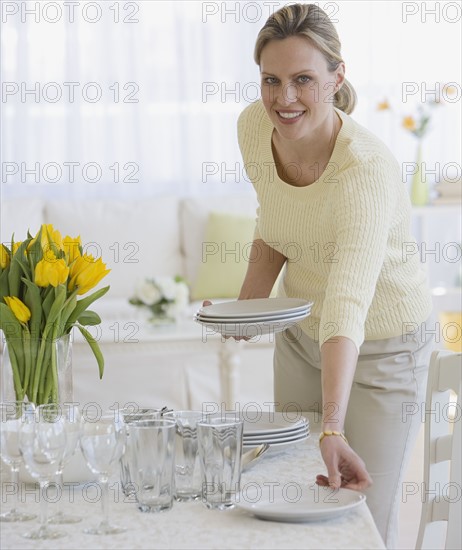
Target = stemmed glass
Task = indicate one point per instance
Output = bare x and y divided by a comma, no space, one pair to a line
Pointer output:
103,442
72,416
42,441
12,415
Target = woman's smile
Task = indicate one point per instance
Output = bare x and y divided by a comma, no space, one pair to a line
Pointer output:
289,117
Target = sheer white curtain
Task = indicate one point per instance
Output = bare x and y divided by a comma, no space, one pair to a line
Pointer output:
173,78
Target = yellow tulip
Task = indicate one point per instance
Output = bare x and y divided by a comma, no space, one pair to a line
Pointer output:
43,236
86,272
4,257
20,310
71,247
409,123
51,271
54,236
49,236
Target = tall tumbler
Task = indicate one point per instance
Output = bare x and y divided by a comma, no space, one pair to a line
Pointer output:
152,463
188,481
220,452
133,414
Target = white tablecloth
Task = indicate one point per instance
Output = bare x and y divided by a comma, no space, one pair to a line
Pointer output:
192,526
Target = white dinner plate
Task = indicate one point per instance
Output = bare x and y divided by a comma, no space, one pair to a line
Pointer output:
303,426
251,330
304,429
277,442
255,307
293,502
268,423
262,319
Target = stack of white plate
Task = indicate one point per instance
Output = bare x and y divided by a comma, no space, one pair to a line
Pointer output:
275,429
249,318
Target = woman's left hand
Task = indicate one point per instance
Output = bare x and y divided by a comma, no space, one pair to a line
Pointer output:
344,467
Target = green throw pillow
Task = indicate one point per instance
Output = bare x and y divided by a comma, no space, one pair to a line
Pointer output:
224,256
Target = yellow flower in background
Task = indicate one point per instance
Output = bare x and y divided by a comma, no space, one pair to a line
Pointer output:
449,90
409,123
4,257
383,106
86,272
71,247
20,310
51,271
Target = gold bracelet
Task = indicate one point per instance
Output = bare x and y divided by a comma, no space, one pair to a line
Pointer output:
323,434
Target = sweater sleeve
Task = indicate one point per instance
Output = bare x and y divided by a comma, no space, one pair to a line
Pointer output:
364,202
245,138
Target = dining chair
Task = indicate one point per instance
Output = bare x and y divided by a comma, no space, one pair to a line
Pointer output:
441,516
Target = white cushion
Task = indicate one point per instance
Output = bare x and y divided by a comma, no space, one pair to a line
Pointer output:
18,216
194,214
136,238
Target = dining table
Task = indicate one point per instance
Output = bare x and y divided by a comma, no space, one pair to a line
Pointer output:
191,525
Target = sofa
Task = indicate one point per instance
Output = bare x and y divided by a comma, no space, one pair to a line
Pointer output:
204,239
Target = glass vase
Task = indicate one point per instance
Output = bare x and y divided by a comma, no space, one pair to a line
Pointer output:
419,185
37,371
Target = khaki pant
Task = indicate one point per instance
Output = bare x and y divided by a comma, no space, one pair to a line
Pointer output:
383,416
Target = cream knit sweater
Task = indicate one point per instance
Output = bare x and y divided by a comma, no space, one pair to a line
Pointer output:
344,235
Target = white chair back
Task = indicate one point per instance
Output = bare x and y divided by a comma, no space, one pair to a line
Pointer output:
441,517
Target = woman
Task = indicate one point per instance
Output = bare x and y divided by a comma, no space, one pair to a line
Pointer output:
334,215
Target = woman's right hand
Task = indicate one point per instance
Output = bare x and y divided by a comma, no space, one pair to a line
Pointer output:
344,467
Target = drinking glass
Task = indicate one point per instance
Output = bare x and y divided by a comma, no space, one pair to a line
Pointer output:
71,413
131,414
220,452
102,442
12,415
188,482
42,441
153,445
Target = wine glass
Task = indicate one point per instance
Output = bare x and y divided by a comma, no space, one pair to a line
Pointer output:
103,443
12,414
73,423
42,441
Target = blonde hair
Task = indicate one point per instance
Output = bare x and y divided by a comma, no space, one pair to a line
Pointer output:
311,22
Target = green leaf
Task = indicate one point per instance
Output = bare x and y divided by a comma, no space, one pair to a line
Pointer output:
17,266
36,252
48,301
4,286
34,302
89,318
95,348
13,330
83,304
57,306
11,327
69,306
14,277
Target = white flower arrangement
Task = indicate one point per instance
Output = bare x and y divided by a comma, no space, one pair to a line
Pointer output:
165,297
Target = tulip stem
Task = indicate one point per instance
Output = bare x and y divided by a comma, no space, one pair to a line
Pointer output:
54,363
38,366
27,365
